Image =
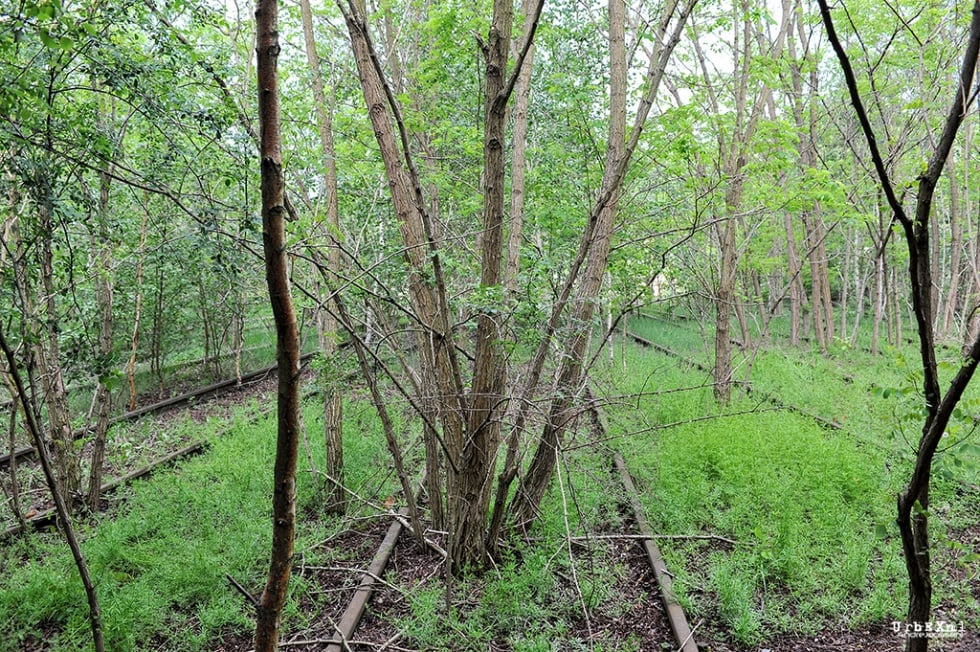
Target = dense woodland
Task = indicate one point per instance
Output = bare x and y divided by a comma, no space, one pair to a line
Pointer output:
474,197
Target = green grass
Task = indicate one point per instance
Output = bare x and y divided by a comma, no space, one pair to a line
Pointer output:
160,559
807,511
810,509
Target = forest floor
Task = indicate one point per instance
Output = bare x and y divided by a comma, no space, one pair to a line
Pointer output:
603,598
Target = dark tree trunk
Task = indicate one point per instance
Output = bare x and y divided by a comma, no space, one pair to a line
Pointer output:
287,334
913,501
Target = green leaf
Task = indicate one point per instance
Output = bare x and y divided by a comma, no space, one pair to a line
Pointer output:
66,43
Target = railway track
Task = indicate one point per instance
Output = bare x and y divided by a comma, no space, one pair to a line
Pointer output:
749,391
346,627
46,517
212,390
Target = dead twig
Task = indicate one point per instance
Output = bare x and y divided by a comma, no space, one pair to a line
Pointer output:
241,589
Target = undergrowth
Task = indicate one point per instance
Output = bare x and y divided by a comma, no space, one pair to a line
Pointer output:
161,558
803,513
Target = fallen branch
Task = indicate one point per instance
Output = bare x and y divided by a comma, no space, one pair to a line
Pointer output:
243,591
642,537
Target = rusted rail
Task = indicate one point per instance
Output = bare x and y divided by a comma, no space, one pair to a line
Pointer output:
355,609
679,627
827,423
174,401
47,517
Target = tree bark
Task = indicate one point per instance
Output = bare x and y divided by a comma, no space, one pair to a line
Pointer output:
102,259
273,597
69,472
913,501
469,502
594,246
562,408
522,101
138,314
327,325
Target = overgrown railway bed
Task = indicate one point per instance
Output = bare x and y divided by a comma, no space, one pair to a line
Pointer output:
647,622
162,446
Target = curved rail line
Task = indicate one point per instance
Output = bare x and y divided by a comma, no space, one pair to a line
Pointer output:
47,517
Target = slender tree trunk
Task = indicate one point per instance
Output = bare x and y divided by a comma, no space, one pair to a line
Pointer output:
287,333
470,500
138,314
156,335
795,282
332,399
593,253
49,359
955,258
522,100
913,501
724,299
102,258
562,410
14,493
61,504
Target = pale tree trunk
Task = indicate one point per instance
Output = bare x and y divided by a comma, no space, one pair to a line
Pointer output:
595,246
795,282
327,323
804,115
439,368
522,101
880,273
10,250
562,408
724,298
732,152
955,257
138,313
102,268
273,596
971,306
49,364
860,284
435,478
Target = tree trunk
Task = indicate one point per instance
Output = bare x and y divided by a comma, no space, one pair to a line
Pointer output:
138,314
724,299
327,324
60,502
102,264
594,245
955,258
287,334
470,500
69,473
913,501
426,285
522,100
543,463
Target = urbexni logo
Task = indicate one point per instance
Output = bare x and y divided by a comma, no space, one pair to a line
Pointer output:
932,629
